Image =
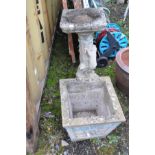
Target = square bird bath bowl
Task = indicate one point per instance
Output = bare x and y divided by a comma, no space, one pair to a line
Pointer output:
89,109
87,20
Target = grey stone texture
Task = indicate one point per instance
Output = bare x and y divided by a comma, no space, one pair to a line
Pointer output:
89,109
84,22
89,104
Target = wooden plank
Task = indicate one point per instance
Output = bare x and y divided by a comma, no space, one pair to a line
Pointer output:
71,48
59,5
77,4
31,124
41,19
54,11
70,39
29,120
51,13
44,14
32,72
64,4
56,8
30,108
39,66
35,37
50,16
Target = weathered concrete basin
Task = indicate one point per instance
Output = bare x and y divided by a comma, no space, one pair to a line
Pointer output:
82,20
89,109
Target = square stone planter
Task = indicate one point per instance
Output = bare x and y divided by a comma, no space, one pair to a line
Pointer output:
89,109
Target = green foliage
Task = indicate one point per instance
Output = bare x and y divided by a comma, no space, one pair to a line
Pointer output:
106,146
113,139
40,152
124,27
96,141
107,150
107,71
121,23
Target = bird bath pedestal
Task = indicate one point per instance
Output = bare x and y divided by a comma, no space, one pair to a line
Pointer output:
84,22
89,104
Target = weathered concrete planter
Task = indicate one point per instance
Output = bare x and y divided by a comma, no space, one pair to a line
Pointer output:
89,109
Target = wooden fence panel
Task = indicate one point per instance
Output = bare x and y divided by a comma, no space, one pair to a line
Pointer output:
50,16
35,36
41,19
53,7
32,72
44,11
54,11
30,111
44,31
32,130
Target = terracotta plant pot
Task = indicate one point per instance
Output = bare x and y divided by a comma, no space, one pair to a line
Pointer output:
122,70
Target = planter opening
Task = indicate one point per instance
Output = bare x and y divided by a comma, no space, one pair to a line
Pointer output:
89,109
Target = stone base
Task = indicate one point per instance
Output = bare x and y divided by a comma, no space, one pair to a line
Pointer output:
89,109
87,75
